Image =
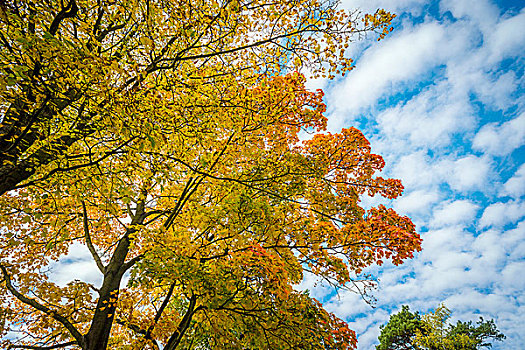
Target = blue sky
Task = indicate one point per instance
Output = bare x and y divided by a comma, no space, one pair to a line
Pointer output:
442,100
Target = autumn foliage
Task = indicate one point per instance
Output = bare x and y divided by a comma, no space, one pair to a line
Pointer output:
162,139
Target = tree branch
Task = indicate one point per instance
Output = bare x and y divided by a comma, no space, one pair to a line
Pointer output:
147,335
89,244
176,337
246,184
78,166
69,11
35,304
129,264
57,346
138,330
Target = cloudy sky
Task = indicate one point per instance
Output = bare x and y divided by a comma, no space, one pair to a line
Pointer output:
442,100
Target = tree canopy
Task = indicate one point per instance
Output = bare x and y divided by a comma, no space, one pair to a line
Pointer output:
411,331
163,138
400,331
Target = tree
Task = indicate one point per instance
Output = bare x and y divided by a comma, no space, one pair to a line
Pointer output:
407,330
163,138
400,331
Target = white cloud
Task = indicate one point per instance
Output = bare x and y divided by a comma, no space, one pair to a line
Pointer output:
460,211
483,15
77,264
497,92
475,69
500,214
415,170
515,186
511,324
507,39
501,139
347,304
84,270
416,202
490,304
429,119
513,275
399,58
368,327
514,240
467,173
495,247
470,173
491,253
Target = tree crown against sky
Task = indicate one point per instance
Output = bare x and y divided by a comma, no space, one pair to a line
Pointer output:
406,330
162,137
442,101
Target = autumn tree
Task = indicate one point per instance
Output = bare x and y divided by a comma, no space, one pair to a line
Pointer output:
162,136
411,331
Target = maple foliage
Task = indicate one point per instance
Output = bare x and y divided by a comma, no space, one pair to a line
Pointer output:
162,139
66,67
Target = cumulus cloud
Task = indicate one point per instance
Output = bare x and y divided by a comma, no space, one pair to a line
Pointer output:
468,173
77,264
483,16
368,327
513,275
416,170
497,91
507,39
515,186
495,247
500,214
501,139
347,304
416,202
490,303
399,58
429,119
437,243
460,211
514,240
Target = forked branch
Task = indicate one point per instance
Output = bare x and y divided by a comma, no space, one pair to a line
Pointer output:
36,305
